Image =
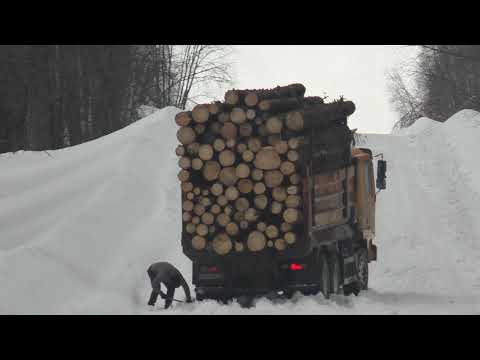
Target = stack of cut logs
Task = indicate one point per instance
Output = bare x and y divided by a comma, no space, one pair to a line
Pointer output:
240,171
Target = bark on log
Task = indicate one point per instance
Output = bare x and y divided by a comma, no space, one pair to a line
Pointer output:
238,116
294,143
267,159
190,196
183,118
211,170
245,186
199,242
324,115
196,220
292,90
256,241
186,135
228,176
273,178
200,114
226,158
222,244
205,152
275,106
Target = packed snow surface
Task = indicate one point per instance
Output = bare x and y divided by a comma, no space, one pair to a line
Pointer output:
79,226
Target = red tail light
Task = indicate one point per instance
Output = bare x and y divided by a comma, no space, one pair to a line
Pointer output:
295,267
212,269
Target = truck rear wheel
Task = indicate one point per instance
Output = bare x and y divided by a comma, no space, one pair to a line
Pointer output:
362,269
324,268
335,274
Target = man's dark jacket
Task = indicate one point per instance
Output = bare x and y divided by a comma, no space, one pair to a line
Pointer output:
166,273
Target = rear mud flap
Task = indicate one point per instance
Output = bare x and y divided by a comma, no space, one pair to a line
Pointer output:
372,253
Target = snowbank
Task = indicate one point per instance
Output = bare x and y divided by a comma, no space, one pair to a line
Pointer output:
423,124
79,228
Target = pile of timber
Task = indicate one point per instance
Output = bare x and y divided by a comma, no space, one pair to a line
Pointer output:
241,167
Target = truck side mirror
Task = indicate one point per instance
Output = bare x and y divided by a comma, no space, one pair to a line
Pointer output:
381,175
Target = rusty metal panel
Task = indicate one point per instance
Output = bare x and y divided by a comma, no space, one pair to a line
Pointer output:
330,217
328,202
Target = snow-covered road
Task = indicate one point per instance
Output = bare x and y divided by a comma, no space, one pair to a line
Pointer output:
79,229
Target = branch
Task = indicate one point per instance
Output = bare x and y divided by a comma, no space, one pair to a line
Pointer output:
451,53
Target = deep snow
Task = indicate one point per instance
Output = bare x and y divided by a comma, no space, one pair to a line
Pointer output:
79,228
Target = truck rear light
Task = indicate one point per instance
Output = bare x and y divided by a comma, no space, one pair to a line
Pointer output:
212,269
296,267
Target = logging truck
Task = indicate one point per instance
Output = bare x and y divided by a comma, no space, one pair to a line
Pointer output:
275,196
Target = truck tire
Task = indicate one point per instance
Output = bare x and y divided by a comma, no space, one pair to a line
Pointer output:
324,269
362,269
336,279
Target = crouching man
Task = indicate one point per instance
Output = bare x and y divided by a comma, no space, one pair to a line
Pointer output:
163,272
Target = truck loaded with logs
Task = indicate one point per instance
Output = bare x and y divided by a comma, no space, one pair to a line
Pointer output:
275,196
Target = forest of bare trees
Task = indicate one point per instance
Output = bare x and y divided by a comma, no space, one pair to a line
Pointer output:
53,96
443,80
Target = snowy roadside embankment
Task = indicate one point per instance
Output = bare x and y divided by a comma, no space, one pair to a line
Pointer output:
78,229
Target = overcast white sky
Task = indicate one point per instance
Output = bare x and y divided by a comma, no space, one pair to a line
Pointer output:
355,71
